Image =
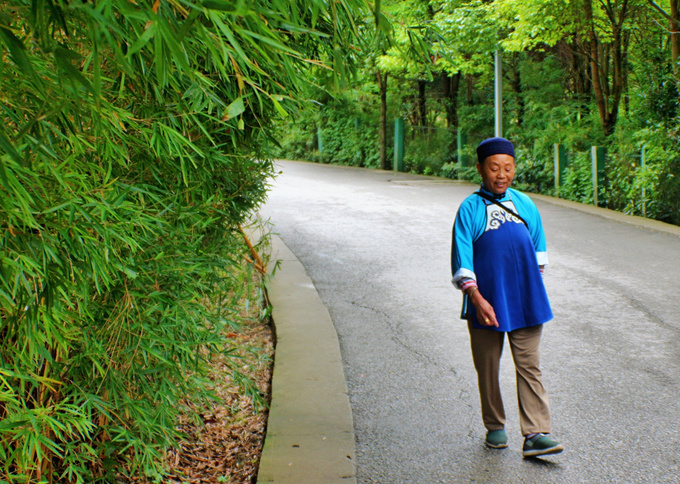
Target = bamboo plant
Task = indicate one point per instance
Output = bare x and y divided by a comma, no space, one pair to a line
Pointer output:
131,150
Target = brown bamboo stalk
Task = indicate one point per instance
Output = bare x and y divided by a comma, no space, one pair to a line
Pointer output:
259,264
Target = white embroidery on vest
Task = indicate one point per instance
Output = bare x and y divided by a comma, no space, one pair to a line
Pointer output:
496,216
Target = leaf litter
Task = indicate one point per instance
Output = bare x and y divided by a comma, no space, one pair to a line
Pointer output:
223,439
225,446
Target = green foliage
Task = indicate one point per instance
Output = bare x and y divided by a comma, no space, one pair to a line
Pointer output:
654,90
531,23
468,173
131,141
348,138
549,116
477,121
298,140
348,135
664,196
577,184
469,33
651,190
427,149
534,172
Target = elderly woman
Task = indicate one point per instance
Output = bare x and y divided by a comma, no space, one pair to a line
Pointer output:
497,261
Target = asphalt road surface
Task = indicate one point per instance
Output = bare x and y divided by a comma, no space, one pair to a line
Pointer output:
377,247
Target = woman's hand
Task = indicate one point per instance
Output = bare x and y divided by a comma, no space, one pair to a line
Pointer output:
485,313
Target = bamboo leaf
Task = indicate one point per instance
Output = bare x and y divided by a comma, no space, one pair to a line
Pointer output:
143,39
278,106
221,5
63,58
6,145
159,61
173,44
118,192
230,36
234,109
17,51
273,43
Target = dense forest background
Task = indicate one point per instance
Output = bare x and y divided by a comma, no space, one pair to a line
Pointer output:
578,73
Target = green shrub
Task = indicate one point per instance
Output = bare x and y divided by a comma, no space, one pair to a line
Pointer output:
348,136
577,184
651,190
427,149
534,173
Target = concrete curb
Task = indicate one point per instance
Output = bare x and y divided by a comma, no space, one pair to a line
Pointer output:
610,214
606,213
310,430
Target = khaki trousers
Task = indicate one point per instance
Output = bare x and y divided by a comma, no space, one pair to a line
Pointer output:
487,348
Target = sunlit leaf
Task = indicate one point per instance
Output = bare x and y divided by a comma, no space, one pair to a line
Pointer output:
235,108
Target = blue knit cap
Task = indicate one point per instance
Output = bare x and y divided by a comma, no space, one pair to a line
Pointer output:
494,146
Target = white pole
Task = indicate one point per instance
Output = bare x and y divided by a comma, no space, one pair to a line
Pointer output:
498,95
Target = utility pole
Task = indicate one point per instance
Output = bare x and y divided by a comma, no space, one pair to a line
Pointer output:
498,95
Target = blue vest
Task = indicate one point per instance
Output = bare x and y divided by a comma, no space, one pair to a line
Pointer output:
507,273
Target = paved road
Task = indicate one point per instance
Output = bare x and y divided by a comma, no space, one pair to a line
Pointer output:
376,246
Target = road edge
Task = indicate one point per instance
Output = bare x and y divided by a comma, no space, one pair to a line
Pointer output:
310,430
607,213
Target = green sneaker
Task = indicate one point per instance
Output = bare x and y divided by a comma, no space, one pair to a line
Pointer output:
540,444
496,439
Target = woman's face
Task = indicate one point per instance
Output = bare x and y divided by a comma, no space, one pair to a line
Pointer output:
497,172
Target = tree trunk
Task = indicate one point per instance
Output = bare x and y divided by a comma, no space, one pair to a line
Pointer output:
469,84
606,64
382,85
421,103
450,86
624,66
601,84
576,64
674,26
593,49
516,85
675,36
